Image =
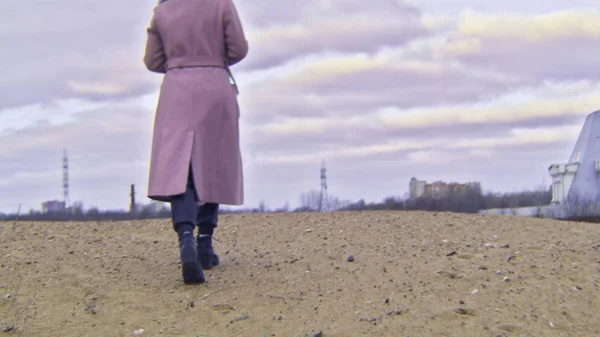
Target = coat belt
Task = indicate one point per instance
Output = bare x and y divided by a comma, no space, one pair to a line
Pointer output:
200,61
195,61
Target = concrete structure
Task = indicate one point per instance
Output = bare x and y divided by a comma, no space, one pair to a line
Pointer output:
575,184
53,206
438,189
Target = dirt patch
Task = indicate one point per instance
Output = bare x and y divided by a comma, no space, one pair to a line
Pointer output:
411,274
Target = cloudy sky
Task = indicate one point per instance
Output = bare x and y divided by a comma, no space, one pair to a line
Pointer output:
383,90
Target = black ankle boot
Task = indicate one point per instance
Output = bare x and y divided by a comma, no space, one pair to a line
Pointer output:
192,273
206,254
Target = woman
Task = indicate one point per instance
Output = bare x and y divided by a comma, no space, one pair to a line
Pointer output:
196,162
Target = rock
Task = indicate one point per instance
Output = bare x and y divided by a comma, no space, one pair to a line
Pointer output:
465,311
451,253
350,258
482,267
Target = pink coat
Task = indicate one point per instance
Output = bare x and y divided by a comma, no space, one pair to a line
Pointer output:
192,42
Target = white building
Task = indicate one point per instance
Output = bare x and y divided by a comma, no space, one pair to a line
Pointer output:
578,178
576,183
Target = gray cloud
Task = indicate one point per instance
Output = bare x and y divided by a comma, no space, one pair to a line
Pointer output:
55,45
89,49
358,92
343,137
564,59
559,45
268,13
303,28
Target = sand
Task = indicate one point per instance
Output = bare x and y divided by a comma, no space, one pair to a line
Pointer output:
413,274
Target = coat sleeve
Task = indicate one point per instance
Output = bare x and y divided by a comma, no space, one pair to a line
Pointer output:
236,44
154,58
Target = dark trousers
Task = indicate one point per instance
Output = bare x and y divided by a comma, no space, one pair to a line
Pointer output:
185,210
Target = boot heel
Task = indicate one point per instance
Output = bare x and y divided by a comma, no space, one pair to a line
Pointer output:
207,261
207,257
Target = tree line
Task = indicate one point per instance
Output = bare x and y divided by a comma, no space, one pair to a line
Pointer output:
466,201
470,200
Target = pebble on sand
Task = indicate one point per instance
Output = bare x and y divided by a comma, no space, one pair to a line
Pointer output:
351,258
508,327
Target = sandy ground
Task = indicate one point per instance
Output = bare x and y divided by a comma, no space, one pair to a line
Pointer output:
413,274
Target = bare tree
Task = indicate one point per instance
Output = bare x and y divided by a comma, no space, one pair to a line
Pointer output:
310,200
262,207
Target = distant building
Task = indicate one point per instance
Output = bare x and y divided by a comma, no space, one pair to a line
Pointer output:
439,189
53,206
416,188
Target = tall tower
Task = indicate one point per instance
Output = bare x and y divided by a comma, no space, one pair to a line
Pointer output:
324,200
66,179
132,196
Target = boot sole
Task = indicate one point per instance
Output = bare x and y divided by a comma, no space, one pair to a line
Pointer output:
192,274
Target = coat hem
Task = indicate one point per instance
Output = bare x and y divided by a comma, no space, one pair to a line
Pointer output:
167,198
